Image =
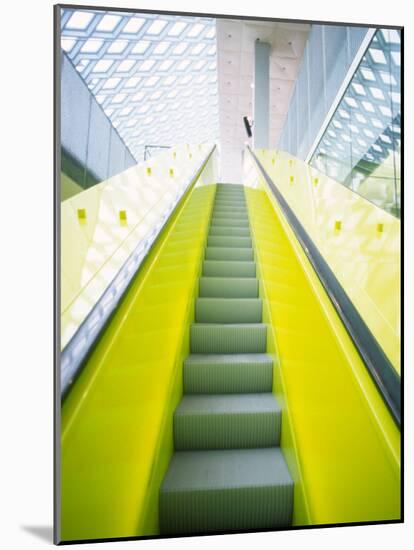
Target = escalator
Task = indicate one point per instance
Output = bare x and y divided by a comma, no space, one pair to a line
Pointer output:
227,472
224,393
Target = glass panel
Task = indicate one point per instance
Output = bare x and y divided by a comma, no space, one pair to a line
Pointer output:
361,145
130,63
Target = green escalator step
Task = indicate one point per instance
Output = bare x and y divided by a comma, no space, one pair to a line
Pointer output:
238,242
227,209
233,254
230,231
228,310
220,268
229,222
236,421
228,287
236,219
227,338
225,373
240,202
226,490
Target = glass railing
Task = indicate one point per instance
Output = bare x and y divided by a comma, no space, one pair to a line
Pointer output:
106,233
361,145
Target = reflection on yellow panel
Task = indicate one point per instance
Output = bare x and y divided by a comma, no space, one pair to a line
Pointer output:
117,420
359,241
96,239
340,441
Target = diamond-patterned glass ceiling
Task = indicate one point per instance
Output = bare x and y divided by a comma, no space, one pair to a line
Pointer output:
364,132
155,76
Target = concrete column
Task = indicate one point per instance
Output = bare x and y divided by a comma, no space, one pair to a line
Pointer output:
261,94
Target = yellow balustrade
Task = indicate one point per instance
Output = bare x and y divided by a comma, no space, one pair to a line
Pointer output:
344,227
340,441
116,437
94,244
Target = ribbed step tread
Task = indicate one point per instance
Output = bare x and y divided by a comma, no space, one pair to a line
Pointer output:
228,338
229,222
228,310
237,242
228,231
220,268
237,421
238,202
229,253
225,490
229,209
228,287
222,373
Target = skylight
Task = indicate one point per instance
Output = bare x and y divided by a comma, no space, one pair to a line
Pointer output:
108,22
157,63
117,46
157,26
141,46
92,45
133,25
177,29
102,66
79,20
196,30
126,65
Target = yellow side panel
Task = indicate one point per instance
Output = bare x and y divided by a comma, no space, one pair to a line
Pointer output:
103,225
359,241
117,419
338,437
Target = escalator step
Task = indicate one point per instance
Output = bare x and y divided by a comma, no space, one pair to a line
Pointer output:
229,216
237,421
229,222
236,373
230,203
227,231
238,242
219,268
226,338
225,253
224,209
228,310
228,287
224,490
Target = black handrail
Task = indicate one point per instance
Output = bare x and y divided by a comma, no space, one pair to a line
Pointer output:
379,366
73,357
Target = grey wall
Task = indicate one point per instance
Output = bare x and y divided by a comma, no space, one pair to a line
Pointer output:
92,149
328,55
